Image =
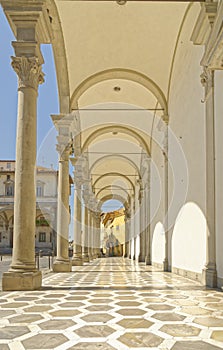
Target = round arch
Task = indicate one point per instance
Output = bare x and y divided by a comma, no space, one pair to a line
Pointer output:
116,186
100,160
120,73
114,174
112,196
116,128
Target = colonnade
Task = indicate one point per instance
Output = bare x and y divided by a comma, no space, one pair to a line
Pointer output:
23,274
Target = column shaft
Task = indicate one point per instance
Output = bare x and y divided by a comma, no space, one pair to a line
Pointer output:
77,246
165,198
85,236
62,262
23,274
147,215
209,275
142,255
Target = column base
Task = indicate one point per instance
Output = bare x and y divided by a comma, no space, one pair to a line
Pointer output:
77,261
209,277
165,265
62,266
141,258
148,260
85,258
16,281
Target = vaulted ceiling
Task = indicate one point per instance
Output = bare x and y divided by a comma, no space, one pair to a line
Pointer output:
118,64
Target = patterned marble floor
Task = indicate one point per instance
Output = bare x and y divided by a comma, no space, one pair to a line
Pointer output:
112,304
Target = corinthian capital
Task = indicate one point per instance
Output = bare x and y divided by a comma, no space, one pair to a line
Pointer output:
207,80
29,71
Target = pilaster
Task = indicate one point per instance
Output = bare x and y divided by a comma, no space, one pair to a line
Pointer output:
209,274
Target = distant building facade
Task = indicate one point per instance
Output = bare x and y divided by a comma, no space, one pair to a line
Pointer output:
46,206
113,232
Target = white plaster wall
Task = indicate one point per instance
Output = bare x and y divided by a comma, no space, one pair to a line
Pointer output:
157,204
219,169
187,181
158,244
188,241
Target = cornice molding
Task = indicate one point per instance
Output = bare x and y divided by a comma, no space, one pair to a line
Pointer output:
25,15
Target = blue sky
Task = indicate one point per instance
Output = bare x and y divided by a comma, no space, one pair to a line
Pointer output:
47,105
47,101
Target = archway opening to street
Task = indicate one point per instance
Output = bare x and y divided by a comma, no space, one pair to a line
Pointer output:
112,228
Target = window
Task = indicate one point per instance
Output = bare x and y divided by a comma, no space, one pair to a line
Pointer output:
8,165
117,227
51,236
39,188
9,190
39,191
0,236
42,237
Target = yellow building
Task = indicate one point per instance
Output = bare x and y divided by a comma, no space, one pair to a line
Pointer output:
113,232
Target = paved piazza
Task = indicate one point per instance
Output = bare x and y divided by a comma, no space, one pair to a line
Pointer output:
113,303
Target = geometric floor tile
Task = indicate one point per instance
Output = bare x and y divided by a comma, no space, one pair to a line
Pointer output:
56,324
4,347
194,345
217,335
158,307
94,331
195,311
4,313
11,332
91,346
38,308
128,303
180,330
209,321
44,341
97,317
112,304
131,312
135,323
64,313
30,318
96,308
168,316
140,340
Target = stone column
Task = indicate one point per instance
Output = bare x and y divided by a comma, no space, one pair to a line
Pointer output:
90,251
62,262
98,234
132,230
77,246
209,273
142,255
165,194
126,254
94,241
23,274
147,228
85,254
